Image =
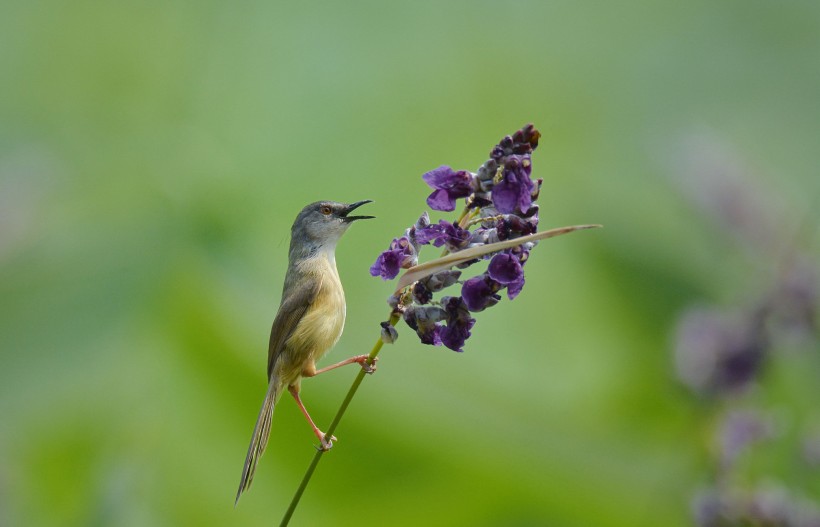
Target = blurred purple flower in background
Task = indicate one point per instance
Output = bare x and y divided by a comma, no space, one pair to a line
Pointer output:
718,352
724,354
741,429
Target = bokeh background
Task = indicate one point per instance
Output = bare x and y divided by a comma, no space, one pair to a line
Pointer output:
153,156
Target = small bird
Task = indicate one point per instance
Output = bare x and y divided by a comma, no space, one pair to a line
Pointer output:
310,319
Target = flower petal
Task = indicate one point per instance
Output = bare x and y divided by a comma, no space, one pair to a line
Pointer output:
459,323
505,268
513,288
439,177
478,293
388,264
441,200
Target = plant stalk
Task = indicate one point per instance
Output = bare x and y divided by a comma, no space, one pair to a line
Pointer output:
394,318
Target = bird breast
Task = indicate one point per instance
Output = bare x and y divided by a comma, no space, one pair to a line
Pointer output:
322,324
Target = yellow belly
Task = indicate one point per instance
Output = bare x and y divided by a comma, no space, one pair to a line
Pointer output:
322,324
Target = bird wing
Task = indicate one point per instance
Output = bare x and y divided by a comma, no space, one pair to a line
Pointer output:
293,308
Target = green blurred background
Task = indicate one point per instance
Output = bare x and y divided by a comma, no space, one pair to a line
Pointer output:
153,156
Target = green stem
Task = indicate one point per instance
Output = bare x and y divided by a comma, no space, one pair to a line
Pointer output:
394,318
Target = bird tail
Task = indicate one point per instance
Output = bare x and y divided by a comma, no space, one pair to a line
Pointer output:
260,438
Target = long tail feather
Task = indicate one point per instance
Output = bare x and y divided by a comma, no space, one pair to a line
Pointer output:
259,441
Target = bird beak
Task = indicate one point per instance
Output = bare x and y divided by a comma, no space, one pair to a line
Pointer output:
353,206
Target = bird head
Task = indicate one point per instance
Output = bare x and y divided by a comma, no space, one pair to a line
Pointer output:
321,224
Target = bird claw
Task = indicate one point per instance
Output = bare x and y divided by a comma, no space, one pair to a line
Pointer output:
369,368
327,444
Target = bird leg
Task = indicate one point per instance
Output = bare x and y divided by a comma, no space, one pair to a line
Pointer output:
327,444
358,359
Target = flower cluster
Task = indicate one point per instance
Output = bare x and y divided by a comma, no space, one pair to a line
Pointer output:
722,355
725,356
499,205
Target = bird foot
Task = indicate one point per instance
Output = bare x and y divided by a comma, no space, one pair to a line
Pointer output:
327,444
368,368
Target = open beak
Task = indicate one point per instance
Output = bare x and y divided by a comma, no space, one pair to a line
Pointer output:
353,206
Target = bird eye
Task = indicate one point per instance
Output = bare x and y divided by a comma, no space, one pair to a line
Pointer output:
326,210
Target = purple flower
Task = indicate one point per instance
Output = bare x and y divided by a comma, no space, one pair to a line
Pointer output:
421,224
442,233
449,185
438,281
459,323
506,269
708,508
485,175
400,255
740,430
423,289
421,294
479,293
512,226
513,288
500,205
524,141
719,352
429,233
423,320
426,323
483,236
514,192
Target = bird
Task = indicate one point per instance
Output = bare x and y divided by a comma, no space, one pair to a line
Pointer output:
310,319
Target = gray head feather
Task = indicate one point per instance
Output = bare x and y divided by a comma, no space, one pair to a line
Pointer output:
320,225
